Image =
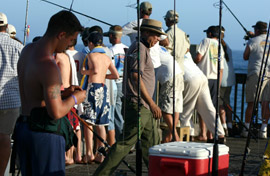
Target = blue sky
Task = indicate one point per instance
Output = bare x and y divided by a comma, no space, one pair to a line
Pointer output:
195,15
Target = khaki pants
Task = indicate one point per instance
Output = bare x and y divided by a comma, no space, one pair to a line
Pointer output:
149,137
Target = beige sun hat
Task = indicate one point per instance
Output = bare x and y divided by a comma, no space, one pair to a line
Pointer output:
3,19
116,30
11,30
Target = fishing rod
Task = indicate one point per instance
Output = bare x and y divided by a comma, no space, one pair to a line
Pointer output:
256,101
236,18
215,146
248,35
139,142
78,13
238,118
102,150
71,5
174,38
25,25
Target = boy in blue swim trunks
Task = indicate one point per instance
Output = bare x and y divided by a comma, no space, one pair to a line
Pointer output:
97,102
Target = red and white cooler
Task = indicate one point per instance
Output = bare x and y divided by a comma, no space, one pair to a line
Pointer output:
186,158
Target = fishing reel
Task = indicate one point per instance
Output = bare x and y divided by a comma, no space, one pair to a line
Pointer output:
248,35
103,150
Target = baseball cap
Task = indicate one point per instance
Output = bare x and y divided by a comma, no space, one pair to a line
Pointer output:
11,30
116,30
146,6
214,30
170,15
260,25
210,29
96,38
3,19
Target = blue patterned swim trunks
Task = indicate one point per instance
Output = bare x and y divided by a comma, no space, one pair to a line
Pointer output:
96,105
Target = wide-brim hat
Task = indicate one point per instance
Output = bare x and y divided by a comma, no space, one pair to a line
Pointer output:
151,25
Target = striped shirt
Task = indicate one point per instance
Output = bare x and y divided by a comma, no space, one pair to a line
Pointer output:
10,51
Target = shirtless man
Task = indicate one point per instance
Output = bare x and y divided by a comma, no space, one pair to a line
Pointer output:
42,152
97,102
68,71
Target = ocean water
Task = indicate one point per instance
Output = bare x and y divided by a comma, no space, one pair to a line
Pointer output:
240,66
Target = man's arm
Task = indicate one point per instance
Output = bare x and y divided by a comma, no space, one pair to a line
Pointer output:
220,76
198,58
51,82
246,53
114,73
153,107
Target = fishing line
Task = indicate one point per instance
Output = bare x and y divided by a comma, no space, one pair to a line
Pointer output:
78,13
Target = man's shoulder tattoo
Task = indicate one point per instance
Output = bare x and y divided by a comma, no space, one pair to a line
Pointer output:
54,92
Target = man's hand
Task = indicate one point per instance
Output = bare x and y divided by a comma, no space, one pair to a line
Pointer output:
155,111
80,95
68,91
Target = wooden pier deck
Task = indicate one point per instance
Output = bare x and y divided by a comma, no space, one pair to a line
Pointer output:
236,145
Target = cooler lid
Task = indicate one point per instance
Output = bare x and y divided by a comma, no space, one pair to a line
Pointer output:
187,149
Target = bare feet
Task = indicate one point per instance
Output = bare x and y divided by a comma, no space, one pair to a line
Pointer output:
200,138
78,159
69,162
88,159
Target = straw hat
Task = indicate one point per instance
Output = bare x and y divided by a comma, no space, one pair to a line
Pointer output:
151,25
116,30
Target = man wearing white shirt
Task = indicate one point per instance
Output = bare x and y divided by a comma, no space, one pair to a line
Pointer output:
118,54
145,12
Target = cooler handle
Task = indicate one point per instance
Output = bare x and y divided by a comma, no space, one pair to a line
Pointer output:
166,162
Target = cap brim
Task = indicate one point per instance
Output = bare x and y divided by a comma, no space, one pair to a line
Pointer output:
150,29
254,26
106,34
205,30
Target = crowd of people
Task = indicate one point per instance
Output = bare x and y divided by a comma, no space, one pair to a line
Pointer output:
47,86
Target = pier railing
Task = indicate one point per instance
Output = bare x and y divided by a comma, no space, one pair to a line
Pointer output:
240,78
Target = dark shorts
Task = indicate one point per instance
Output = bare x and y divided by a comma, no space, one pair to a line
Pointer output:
96,106
212,84
40,153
